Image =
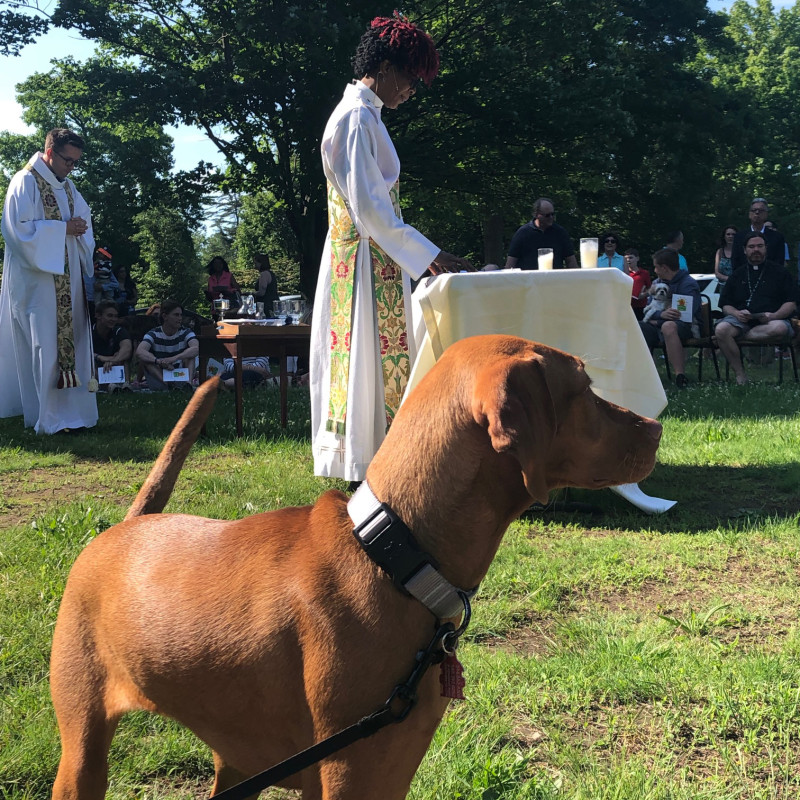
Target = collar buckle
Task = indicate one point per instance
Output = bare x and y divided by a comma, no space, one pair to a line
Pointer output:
387,540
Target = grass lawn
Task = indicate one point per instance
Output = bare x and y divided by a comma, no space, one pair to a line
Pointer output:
612,655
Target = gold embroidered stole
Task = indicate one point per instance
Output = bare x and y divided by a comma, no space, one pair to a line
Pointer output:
65,335
392,333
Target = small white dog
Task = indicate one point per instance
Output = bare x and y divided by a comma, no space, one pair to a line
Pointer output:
660,295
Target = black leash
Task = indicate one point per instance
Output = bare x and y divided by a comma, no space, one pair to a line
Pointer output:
395,709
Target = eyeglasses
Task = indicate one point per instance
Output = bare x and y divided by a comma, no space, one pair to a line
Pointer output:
550,215
609,241
68,162
758,210
412,80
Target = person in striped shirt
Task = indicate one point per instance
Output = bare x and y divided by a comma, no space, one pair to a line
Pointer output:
168,347
255,371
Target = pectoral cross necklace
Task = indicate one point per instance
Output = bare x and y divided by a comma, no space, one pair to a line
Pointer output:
752,289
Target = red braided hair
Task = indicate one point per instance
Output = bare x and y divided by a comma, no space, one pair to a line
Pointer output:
417,47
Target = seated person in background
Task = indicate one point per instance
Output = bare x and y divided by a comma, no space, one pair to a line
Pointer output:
102,285
758,300
641,282
666,326
254,371
541,231
111,343
127,294
168,347
723,263
608,256
266,288
675,242
220,281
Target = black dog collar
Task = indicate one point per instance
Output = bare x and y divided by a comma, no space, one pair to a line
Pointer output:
387,540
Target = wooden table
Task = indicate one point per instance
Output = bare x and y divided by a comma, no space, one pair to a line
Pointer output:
243,341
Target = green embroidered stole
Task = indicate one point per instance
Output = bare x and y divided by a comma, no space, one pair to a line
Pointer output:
65,335
392,333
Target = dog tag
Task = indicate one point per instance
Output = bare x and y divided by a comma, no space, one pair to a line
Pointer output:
452,678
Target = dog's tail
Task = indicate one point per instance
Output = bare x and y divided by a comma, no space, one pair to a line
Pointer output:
156,490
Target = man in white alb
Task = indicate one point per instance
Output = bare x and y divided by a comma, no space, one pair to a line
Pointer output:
46,355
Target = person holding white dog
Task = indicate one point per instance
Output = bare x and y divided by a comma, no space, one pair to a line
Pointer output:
666,326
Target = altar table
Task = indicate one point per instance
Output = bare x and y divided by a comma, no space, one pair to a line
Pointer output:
254,340
586,312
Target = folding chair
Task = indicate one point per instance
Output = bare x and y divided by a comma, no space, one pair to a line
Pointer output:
781,347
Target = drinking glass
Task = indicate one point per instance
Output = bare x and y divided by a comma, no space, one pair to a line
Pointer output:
545,258
279,309
588,253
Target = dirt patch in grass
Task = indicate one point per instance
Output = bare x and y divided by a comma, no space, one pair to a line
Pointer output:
757,608
26,494
200,789
659,736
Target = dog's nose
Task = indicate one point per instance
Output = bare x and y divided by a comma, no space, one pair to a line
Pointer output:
653,428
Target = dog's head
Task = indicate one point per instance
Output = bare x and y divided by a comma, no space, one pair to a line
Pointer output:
538,406
660,291
534,405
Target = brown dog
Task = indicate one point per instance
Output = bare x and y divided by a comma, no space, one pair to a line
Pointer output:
267,634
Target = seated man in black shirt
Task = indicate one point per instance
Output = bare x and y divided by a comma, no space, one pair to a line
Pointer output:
758,299
112,343
541,231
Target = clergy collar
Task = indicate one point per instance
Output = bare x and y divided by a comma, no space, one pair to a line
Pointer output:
40,165
365,93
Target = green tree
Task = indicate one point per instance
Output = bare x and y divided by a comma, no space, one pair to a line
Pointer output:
168,265
593,103
127,164
18,27
259,78
264,229
758,68
632,115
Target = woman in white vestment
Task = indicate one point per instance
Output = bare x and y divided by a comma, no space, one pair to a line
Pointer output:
46,356
361,353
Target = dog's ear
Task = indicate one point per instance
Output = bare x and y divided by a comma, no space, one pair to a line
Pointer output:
512,401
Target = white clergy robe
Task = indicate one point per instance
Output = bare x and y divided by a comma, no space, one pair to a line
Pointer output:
35,252
360,162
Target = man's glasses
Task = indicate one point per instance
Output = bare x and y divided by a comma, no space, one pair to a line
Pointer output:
546,216
609,241
758,210
68,162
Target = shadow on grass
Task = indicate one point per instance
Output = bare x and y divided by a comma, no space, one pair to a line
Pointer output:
134,426
707,497
760,398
